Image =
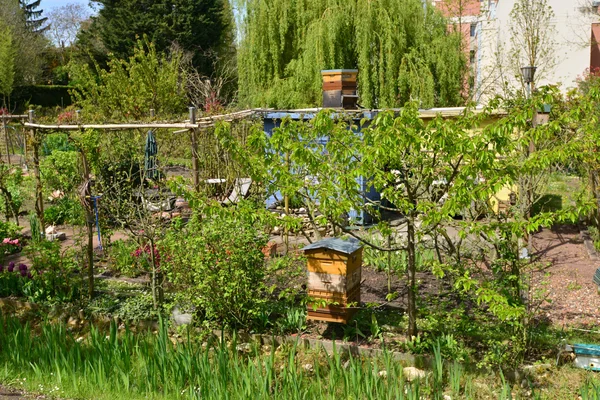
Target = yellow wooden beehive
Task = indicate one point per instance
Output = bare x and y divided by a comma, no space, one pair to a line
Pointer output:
334,274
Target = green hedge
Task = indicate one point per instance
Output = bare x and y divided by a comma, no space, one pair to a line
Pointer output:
41,95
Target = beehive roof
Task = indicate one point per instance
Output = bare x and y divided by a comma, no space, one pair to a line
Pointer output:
342,245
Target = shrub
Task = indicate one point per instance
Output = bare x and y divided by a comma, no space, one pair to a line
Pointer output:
216,263
54,276
122,258
65,211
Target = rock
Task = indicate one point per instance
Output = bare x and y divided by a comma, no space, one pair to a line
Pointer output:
279,208
243,347
180,318
412,373
308,367
447,397
72,322
536,369
61,236
270,250
302,210
276,230
79,339
383,374
50,230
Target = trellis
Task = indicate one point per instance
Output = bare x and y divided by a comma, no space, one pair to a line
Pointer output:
194,125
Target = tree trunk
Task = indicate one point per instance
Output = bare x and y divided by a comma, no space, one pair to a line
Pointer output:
412,281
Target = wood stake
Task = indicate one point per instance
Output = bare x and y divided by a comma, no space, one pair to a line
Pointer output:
195,167
39,203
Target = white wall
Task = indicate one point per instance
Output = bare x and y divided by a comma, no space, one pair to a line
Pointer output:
572,32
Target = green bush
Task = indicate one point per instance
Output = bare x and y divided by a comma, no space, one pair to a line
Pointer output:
122,258
56,142
217,263
9,230
60,170
54,276
65,211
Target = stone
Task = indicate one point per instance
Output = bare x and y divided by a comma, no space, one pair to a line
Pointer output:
180,318
270,250
383,374
308,367
276,230
412,373
302,210
243,347
50,230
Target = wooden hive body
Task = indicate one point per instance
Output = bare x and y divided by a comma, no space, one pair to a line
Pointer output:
333,282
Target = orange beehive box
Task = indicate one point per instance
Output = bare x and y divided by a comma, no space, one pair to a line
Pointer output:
334,268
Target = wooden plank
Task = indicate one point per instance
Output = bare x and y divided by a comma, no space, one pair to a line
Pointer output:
326,266
327,282
343,86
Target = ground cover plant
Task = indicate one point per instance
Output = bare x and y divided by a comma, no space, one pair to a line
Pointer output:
120,364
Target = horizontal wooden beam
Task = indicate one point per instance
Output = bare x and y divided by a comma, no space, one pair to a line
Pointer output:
205,122
13,117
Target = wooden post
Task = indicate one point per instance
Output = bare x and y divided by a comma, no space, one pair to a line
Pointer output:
196,173
39,198
5,133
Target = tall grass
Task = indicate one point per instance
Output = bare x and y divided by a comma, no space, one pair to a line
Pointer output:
120,364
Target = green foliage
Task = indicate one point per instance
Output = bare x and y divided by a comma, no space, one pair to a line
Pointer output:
12,190
7,62
402,50
129,88
217,264
41,95
204,28
122,258
9,230
54,275
65,211
60,171
56,142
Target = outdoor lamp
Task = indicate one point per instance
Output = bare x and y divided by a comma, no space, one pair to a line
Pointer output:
528,73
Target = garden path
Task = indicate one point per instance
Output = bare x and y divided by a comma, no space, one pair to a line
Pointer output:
566,279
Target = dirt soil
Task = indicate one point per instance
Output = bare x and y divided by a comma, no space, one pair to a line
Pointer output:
567,281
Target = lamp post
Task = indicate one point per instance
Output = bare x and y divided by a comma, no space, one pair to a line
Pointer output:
528,74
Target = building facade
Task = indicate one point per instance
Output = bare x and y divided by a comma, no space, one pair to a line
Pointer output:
566,33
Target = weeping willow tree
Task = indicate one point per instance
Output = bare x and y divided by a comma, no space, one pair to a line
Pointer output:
402,49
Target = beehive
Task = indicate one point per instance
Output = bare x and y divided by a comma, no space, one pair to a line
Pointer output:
334,269
339,88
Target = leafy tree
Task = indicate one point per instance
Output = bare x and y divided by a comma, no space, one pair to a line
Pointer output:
403,51
532,37
426,172
7,64
33,16
130,88
28,46
202,27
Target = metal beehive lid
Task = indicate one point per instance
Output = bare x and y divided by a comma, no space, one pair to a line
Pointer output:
342,245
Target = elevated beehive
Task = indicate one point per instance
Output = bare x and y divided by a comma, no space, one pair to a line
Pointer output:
334,273
339,88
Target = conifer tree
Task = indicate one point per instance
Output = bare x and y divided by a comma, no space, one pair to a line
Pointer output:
33,15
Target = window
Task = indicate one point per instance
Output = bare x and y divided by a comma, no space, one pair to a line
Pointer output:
473,29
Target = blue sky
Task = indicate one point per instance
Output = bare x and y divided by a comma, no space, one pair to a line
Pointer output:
47,5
